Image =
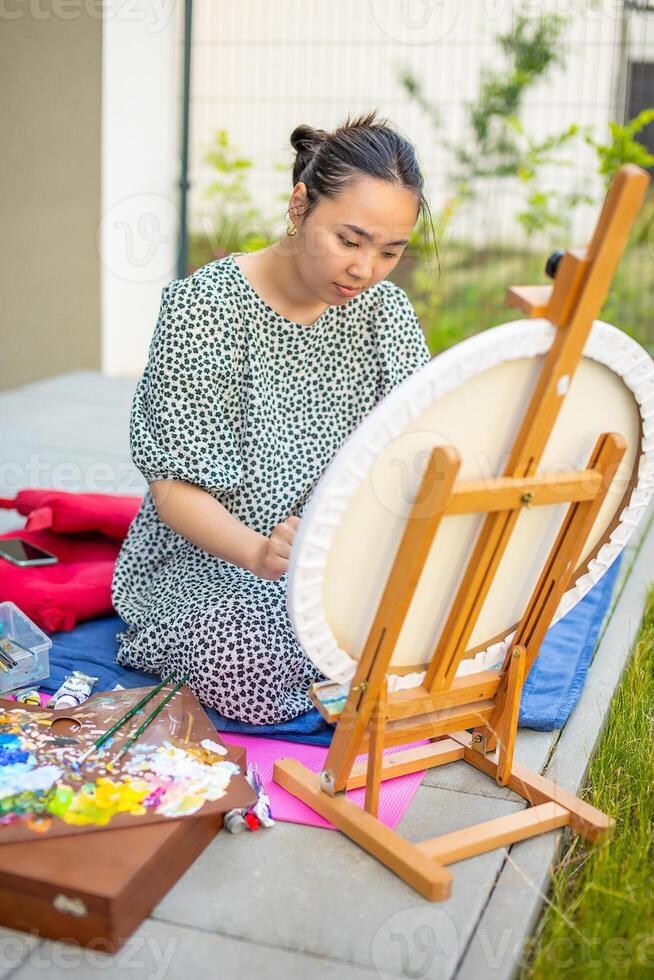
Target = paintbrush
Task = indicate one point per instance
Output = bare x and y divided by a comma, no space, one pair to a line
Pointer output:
6,657
6,644
121,721
10,641
148,721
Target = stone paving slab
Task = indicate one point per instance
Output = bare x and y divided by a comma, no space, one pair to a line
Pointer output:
344,903
532,749
161,952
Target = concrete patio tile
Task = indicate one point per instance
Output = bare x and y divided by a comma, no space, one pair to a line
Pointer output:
510,917
459,777
15,947
532,748
315,891
160,951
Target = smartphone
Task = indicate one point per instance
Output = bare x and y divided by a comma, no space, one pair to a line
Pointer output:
23,553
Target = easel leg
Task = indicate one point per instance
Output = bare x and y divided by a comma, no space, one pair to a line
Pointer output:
585,819
510,718
377,728
425,874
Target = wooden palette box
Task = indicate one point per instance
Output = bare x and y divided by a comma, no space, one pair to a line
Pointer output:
95,889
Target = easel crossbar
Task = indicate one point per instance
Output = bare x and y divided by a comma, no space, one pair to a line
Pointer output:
410,760
505,493
509,829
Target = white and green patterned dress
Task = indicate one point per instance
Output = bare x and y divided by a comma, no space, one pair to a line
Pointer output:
251,407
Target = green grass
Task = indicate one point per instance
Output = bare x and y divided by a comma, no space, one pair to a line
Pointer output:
599,921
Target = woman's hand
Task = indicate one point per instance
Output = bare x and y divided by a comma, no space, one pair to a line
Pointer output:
271,559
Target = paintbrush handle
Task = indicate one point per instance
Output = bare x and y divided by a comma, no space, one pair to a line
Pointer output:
7,658
121,721
132,711
148,721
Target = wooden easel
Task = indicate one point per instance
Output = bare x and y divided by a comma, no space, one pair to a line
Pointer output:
444,706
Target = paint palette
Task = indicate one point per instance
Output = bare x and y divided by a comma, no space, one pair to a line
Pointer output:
178,768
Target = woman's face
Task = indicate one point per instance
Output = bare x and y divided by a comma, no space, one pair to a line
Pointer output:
354,240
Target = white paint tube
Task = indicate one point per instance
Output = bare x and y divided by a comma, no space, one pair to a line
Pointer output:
74,690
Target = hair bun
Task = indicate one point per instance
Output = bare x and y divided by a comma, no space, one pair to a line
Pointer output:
305,138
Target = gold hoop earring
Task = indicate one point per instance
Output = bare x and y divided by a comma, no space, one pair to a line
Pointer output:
291,229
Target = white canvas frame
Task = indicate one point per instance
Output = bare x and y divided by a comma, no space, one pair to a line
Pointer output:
518,339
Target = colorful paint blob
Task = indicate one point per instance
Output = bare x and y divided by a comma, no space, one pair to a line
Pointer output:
38,781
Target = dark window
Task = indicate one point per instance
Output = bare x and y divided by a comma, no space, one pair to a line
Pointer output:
641,96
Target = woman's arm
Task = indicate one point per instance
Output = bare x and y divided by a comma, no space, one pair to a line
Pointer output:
199,517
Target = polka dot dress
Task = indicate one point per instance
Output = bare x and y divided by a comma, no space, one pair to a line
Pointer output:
251,407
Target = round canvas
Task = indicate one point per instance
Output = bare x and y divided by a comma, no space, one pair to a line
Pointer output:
472,397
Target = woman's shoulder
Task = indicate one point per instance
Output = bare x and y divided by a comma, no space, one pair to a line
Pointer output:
385,297
386,293
393,294
204,299
211,282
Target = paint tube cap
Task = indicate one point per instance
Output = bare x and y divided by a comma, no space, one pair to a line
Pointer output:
233,822
64,701
252,820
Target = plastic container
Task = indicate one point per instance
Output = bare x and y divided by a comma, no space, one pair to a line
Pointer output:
31,666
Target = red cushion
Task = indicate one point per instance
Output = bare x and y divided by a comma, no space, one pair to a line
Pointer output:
111,514
85,535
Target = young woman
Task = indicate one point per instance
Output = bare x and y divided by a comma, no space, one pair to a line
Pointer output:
260,366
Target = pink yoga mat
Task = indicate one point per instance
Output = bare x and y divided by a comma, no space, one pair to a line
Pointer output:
395,795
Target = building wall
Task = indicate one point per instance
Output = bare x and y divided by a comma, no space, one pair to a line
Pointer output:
141,111
50,78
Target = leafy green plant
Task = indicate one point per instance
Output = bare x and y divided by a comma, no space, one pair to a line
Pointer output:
530,50
623,148
502,147
235,223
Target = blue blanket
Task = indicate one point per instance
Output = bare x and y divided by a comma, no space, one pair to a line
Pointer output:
557,677
550,693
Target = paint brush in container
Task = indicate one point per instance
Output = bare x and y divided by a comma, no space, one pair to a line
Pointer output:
11,648
5,655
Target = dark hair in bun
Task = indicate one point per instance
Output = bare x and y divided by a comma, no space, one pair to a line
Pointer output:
367,146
